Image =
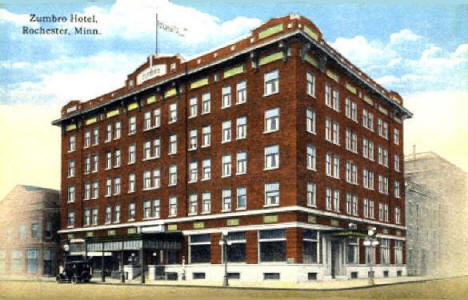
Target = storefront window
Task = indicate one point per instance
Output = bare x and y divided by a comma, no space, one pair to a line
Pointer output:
272,244
236,247
352,251
200,248
310,242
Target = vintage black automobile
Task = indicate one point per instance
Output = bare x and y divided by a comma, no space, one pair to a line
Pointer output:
75,272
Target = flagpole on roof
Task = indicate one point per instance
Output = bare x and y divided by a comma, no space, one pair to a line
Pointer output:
157,26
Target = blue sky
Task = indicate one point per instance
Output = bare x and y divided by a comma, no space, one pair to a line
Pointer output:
418,48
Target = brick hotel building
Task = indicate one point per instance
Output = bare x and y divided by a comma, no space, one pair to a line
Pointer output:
275,142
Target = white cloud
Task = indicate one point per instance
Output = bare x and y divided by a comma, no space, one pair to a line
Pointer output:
15,19
403,36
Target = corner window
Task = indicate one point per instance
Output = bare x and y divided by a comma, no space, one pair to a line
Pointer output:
271,83
272,193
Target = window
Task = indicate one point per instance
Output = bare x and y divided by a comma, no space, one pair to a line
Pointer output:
336,99
365,208
71,219
172,113
71,168
336,133
272,120
371,150
226,165
310,246
349,204
131,182
156,208
206,103
311,157
87,191
236,251
108,160
311,194
95,190
95,216
272,157
108,187
108,132
328,198
384,251
34,230
146,209
71,194
351,140
116,185
87,164
193,171
147,150
241,126
172,144
206,136
272,244
382,128
328,101
156,148
227,199
206,200
352,251
172,206
241,197
71,143
398,252
193,139
381,212
157,117
396,162
147,120
147,180
117,214
351,172
310,120
108,218
328,164
87,139
193,204
271,83
32,260
383,184
241,88
95,162
396,136
328,129
354,116
368,119
336,200
172,175
156,178
226,97
371,209
118,160
131,212
397,215
368,179
355,205
310,77
241,159
206,169
226,131
200,248
272,193
336,166
193,107
22,231
132,125
118,130
396,189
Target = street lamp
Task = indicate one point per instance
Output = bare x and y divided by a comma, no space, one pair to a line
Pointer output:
225,243
371,242
66,248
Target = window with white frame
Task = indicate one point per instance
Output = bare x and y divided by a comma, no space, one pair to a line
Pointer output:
381,211
118,158
206,103
72,143
132,125
272,245
156,178
272,119
118,130
355,205
310,246
108,218
200,248
311,157
352,251
131,154
398,252
71,219
349,203
336,166
87,191
396,162
206,136
336,200
95,163
193,107
310,87
371,151
226,199
131,182
226,134
131,211
310,120
117,186
241,197
397,215
193,139
396,189
87,139
226,95
241,88
271,83
396,136
146,209
108,160
172,113
328,164
172,175
271,157
354,115
193,171
71,168
241,166
348,107
241,128
351,172
87,164
336,133
87,217
95,190
157,117
351,140
172,206
328,129
95,216
172,144
108,132
384,251
328,199
108,187
226,162
193,204
156,208
156,148
371,209
206,202
272,193
328,92
147,120
336,99
117,214
365,208
311,194
206,169
71,194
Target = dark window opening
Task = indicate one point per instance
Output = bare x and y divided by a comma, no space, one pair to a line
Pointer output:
273,251
200,254
312,276
198,276
271,276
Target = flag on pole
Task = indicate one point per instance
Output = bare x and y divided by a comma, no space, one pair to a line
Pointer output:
170,28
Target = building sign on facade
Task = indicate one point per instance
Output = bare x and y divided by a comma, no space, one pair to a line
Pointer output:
151,72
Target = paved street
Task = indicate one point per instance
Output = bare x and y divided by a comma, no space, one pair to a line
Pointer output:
440,289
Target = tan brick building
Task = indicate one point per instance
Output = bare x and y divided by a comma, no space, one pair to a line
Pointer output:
28,241
276,140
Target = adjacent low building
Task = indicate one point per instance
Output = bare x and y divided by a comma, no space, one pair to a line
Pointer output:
275,144
28,240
